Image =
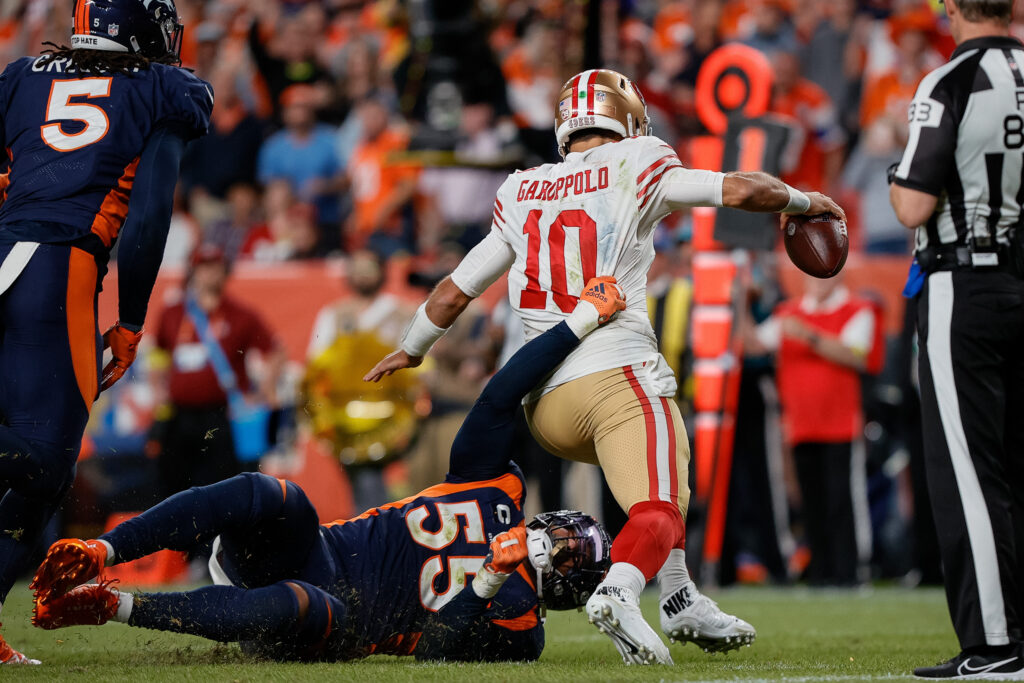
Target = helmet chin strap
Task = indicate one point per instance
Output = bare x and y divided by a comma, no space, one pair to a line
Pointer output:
539,549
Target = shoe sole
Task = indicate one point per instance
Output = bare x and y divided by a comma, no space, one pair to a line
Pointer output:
66,565
601,613
710,643
980,676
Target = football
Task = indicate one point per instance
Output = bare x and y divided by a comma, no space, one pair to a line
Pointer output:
817,245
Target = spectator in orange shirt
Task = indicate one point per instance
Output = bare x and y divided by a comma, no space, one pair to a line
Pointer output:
890,93
382,185
815,119
531,72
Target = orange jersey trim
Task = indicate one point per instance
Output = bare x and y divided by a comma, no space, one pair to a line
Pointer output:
523,622
509,483
114,208
81,317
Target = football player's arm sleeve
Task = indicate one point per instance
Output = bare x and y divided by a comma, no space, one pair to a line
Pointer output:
149,217
685,187
463,630
482,448
484,264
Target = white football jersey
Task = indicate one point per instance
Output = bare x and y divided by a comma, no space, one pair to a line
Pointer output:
557,226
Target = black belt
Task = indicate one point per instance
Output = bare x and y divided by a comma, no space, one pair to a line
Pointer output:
956,258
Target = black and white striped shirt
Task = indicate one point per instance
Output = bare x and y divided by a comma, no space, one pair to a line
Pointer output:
966,144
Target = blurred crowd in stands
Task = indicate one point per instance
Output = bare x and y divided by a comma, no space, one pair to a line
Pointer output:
371,136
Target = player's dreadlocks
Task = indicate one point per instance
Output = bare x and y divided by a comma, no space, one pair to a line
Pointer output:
102,61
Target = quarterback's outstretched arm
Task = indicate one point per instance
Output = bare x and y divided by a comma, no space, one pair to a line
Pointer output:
756,191
484,264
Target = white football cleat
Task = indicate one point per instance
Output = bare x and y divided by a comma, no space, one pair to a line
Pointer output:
687,615
616,613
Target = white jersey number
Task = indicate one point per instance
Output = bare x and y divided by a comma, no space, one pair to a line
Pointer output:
471,525
533,296
61,108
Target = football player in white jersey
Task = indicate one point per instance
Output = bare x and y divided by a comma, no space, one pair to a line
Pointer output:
610,402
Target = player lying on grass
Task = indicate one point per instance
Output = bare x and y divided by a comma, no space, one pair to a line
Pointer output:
391,581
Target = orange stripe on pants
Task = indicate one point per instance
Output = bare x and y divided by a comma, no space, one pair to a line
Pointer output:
81,314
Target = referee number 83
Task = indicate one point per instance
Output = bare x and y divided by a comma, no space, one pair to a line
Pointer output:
1013,131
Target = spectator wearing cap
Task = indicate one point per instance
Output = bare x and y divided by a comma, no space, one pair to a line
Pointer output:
383,185
195,442
305,155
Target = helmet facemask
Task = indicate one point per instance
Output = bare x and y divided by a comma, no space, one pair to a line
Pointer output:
571,553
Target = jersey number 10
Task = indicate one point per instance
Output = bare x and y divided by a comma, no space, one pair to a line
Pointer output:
533,296
60,108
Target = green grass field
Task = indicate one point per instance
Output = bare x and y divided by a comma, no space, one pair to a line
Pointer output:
802,636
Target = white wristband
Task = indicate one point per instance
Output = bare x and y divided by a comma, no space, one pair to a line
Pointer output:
583,320
421,333
798,201
486,583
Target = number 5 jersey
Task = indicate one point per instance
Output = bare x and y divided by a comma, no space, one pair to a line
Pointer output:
558,225
74,141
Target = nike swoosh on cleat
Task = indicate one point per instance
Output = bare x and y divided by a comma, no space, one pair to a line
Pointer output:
966,669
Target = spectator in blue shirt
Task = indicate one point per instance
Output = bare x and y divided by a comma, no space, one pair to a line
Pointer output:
304,153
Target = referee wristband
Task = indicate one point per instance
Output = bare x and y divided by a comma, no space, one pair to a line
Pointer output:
798,201
421,334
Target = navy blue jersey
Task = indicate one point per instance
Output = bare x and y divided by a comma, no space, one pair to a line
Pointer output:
75,140
401,563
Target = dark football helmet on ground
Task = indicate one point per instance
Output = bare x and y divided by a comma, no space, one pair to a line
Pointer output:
571,553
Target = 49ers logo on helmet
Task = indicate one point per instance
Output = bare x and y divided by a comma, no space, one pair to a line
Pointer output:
582,122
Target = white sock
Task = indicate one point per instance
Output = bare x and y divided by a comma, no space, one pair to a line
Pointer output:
673,574
626,575
110,552
125,602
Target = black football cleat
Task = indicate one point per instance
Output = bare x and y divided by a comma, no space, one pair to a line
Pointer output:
1006,666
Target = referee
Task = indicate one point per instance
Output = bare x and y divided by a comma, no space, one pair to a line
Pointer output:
960,184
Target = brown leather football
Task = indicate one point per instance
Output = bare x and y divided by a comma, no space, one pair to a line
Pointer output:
817,245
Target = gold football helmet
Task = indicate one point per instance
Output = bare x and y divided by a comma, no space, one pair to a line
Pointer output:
600,98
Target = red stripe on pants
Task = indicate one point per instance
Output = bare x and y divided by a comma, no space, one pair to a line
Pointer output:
652,432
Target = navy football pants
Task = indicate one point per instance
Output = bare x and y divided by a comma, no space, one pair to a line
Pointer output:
270,535
49,376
